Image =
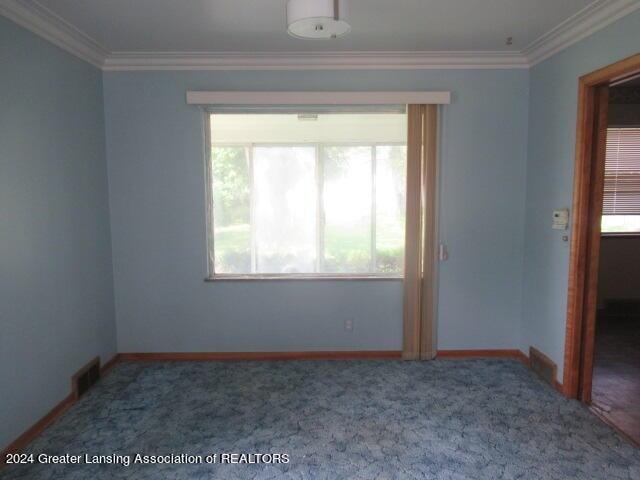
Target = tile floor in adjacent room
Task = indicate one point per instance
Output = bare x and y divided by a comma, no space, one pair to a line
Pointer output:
616,372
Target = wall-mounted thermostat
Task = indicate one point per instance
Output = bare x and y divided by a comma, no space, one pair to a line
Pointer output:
561,219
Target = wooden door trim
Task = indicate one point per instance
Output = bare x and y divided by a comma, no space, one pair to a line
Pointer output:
584,251
601,100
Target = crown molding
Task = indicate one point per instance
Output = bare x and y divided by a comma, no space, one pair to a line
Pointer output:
43,22
313,61
587,21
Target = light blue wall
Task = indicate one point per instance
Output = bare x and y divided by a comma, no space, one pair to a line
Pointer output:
156,181
56,293
56,282
551,150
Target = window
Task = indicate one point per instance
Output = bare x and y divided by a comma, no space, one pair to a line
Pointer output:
621,199
307,194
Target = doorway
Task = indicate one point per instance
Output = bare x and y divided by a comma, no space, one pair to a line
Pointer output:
616,365
595,92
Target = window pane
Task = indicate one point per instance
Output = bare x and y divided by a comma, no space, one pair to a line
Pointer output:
620,223
232,242
621,194
297,192
391,166
347,207
284,183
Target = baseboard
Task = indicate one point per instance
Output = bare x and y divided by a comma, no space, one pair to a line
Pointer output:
524,358
500,353
41,425
37,428
241,356
106,368
518,354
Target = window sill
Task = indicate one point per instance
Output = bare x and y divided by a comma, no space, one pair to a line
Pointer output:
289,277
619,234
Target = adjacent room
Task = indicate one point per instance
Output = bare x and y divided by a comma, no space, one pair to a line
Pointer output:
319,239
616,376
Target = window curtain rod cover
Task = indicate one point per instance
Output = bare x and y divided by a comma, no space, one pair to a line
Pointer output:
317,98
304,109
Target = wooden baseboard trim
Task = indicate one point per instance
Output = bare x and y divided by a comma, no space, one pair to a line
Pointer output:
453,354
37,428
20,443
523,358
518,354
106,368
241,356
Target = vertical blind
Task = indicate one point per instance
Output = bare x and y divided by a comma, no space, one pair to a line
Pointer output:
622,172
419,340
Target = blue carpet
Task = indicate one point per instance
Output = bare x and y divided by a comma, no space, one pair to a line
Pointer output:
446,419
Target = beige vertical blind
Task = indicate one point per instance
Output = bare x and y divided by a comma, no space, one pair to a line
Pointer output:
622,172
420,250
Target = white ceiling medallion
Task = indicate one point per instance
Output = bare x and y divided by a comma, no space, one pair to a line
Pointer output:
316,19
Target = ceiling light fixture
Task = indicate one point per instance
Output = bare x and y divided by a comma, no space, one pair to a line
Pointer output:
316,18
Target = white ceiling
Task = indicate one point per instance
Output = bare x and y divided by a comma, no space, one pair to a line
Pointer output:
251,34
260,25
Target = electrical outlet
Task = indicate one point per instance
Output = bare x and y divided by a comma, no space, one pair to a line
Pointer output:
348,324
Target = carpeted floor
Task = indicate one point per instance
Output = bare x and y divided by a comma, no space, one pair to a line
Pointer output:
446,419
